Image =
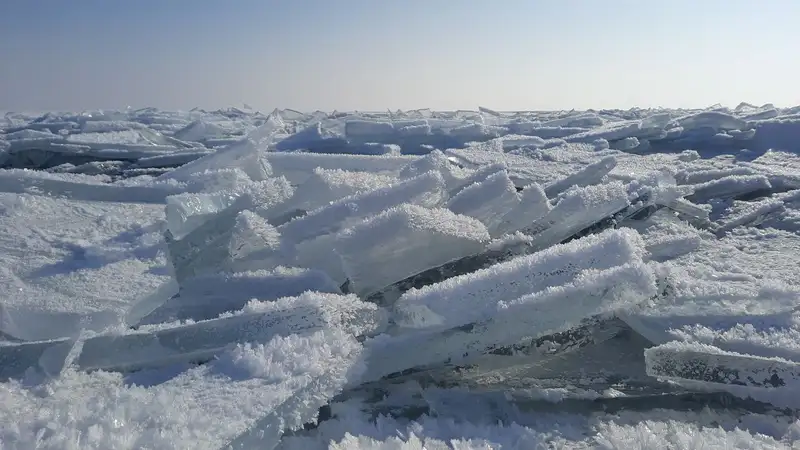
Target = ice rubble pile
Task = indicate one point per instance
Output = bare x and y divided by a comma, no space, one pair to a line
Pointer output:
130,143
432,246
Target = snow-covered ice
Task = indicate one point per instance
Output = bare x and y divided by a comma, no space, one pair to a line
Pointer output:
400,280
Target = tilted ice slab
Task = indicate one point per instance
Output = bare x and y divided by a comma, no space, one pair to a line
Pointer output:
709,364
532,206
555,308
207,296
228,243
488,200
591,174
404,241
164,345
247,398
466,298
185,212
427,190
298,167
328,185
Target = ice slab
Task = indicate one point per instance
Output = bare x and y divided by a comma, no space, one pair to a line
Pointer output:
328,185
298,167
532,206
578,209
404,241
464,299
427,190
186,212
255,391
708,364
244,155
488,200
591,174
206,297
258,322
551,310
228,243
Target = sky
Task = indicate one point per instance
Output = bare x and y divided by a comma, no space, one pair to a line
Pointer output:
377,54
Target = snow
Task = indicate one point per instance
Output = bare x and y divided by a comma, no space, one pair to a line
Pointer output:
400,280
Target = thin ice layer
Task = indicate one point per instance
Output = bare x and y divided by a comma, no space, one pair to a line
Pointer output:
553,309
262,389
404,241
488,200
207,296
427,190
464,299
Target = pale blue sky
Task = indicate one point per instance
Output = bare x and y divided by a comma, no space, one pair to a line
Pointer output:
374,54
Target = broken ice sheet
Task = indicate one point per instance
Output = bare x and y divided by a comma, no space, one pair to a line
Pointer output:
206,407
405,241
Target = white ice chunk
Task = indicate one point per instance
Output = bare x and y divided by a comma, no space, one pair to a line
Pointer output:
488,201
553,309
427,190
730,186
185,212
579,208
480,174
248,243
363,129
589,175
405,241
258,322
435,160
532,206
464,299
715,120
318,253
244,155
247,398
298,167
207,296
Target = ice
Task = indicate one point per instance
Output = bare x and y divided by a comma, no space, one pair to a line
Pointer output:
463,299
203,408
471,278
233,241
711,119
591,174
435,160
579,208
365,130
488,200
426,190
298,167
730,186
258,322
404,241
706,363
188,211
532,206
550,310
328,185
207,296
